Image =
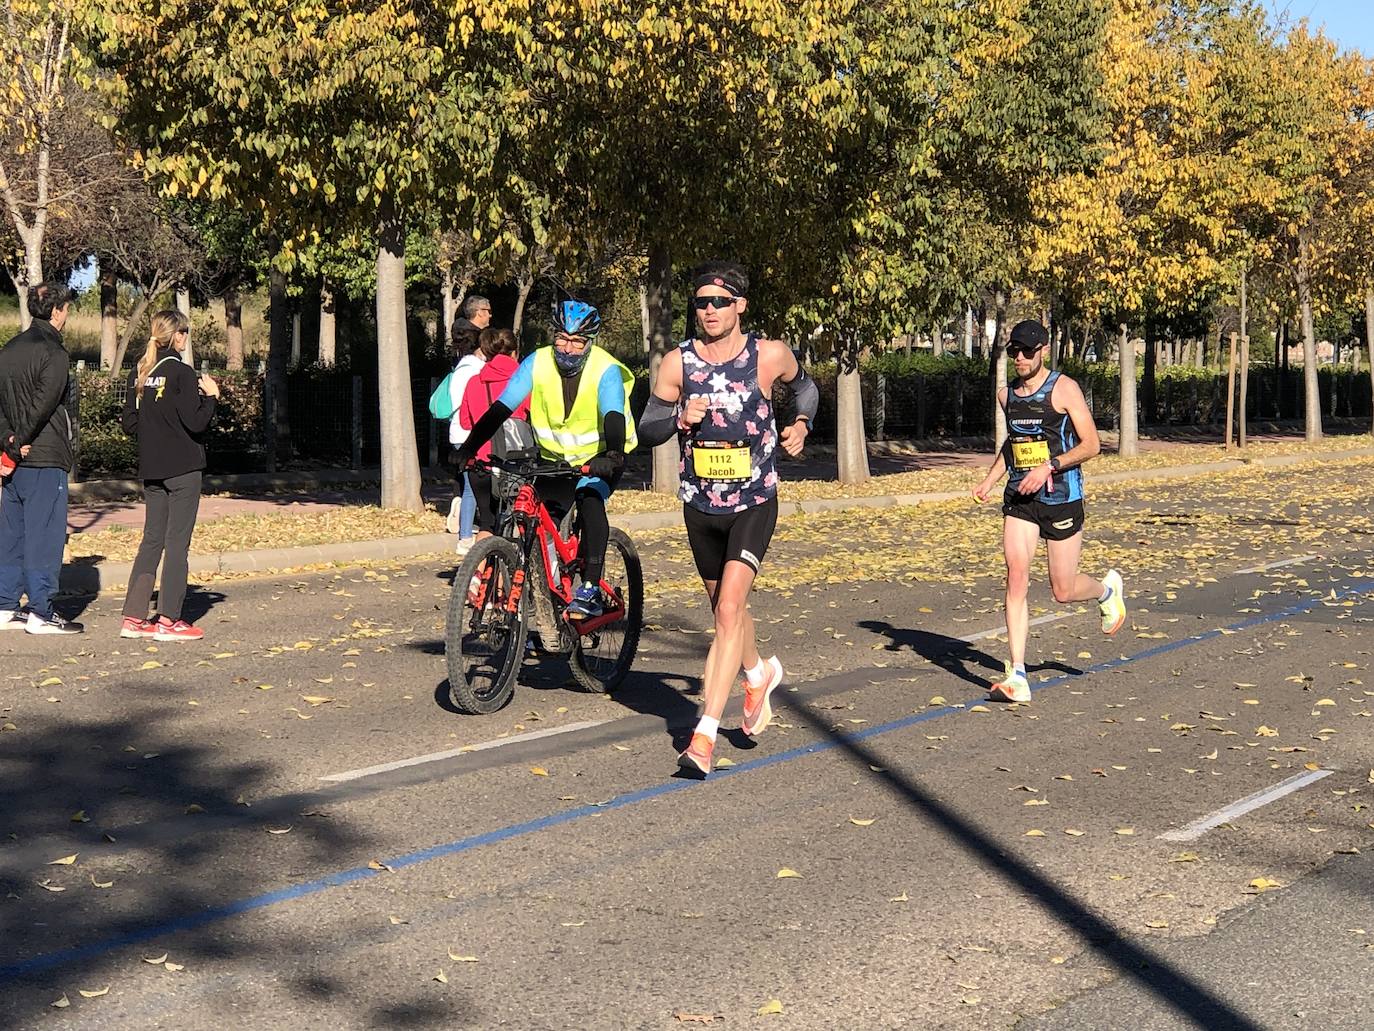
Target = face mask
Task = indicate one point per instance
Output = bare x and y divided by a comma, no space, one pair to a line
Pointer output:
570,364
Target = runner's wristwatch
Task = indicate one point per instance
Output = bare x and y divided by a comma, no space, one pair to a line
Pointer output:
1054,464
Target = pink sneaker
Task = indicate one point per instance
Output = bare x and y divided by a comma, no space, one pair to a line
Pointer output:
135,627
758,713
166,630
697,756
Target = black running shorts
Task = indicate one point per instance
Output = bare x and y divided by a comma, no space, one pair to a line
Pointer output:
733,537
1056,522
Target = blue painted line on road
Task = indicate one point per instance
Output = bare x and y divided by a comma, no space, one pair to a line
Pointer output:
194,921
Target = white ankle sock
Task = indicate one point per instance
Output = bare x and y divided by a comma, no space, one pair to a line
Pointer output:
708,726
758,672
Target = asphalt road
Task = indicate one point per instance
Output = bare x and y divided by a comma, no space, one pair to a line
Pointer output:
954,867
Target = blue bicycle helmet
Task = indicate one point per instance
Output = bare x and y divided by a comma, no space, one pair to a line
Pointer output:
575,318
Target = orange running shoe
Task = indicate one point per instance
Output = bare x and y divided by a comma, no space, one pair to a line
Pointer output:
697,757
758,713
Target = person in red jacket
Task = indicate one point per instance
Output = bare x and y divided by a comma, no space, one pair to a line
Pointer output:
498,347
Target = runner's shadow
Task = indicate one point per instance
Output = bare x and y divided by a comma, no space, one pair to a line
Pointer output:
952,654
949,653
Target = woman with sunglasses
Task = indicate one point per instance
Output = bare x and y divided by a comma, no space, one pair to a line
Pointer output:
1050,434
715,394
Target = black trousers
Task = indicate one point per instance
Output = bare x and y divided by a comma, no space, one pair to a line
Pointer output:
594,529
169,517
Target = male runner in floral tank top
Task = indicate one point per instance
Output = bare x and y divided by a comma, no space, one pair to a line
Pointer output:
715,392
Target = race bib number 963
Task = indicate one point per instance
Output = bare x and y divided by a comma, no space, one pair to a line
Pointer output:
1027,454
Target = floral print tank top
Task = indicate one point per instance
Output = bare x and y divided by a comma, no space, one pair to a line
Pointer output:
728,460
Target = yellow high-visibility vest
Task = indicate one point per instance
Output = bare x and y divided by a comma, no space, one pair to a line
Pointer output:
574,436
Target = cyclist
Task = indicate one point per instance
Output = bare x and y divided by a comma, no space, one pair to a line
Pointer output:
1050,434
578,409
715,393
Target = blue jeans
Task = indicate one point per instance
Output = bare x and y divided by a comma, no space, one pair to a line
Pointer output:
467,509
33,531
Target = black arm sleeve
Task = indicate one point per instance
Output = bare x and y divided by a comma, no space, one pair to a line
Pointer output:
613,432
807,394
485,428
658,424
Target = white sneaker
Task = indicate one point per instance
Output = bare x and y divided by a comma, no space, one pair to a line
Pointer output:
12,619
54,624
451,523
464,544
1013,687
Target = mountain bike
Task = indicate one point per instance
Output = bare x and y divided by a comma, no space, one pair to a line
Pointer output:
523,577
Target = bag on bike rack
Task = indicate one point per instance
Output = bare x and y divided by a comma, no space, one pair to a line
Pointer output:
514,442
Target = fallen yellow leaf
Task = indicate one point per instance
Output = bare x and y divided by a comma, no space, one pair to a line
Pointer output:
786,871
769,1008
65,860
539,771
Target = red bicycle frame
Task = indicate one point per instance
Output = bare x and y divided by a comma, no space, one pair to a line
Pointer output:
527,504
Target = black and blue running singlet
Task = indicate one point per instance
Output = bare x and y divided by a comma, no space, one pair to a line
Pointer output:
1035,434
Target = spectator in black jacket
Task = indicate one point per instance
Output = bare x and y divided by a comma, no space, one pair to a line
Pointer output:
36,432
168,407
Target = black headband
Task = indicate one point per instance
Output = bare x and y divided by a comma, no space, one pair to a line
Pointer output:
713,279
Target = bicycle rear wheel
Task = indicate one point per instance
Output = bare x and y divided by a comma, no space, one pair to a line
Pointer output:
601,660
484,640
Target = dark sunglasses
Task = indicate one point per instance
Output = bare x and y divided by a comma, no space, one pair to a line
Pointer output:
1021,350
715,301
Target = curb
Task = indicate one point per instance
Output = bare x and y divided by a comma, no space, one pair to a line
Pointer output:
92,578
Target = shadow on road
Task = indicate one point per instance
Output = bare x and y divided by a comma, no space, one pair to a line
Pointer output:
1169,984
164,863
953,655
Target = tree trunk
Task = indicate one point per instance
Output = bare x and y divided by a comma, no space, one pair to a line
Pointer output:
1369,343
141,305
1231,392
968,332
295,335
184,306
1312,401
449,304
109,313
278,353
1129,435
1148,386
851,446
1244,401
997,365
658,285
329,334
233,328
400,458
33,268
526,284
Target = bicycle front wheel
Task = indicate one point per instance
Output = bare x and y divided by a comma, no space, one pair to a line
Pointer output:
601,659
484,640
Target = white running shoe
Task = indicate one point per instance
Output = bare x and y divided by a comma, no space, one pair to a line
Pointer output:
1013,687
12,619
54,624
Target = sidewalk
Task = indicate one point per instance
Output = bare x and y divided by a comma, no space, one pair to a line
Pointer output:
95,575
296,495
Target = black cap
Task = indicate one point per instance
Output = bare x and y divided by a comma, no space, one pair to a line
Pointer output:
1030,334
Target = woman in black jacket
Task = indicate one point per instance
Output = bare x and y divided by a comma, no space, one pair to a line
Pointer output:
168,407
